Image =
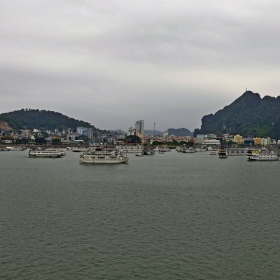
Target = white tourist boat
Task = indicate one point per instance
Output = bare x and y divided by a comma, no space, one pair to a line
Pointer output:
163,149
44,154
190,150
130,148
263,155
4,150
101,157
14,148
181,149
61,152
201,149
79,149
148,151
237,152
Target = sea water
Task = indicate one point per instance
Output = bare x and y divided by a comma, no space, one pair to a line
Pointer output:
167,216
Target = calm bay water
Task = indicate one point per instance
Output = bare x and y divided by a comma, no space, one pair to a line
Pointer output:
167,216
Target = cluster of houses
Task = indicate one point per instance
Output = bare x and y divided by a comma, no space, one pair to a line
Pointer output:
82,134
67,136
213,139
200,139
27,136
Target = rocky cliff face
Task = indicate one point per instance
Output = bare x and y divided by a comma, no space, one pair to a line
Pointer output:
247,115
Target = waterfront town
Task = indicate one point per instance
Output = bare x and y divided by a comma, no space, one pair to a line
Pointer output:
90,136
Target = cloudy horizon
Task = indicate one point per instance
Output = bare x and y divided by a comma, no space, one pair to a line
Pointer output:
111,63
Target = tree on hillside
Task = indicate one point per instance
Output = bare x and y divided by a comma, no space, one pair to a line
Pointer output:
133,139
56,141
41,119
83,137
40,140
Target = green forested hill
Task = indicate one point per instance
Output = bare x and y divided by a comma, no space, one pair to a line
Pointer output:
248,115
179,132
41,119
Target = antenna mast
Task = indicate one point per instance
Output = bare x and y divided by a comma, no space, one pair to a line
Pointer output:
154,128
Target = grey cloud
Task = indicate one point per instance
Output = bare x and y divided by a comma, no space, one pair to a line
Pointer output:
165,62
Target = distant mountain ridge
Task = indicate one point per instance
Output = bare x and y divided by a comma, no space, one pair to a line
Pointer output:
40,119
247,115
153,132
179,132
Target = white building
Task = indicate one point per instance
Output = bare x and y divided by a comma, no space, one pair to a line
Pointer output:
266,141
199,139
90,133
131,131
71,137
81,130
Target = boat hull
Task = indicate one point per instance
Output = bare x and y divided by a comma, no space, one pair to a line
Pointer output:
261,159
222,156
44,156
139,155
105,161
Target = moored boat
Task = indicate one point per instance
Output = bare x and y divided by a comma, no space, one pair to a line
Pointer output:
263,155
130,148
148,151
101,157
181,149
236,152
189,150
201,149
163,149
222,152
61,152
4,149
14,148
78,150
44,154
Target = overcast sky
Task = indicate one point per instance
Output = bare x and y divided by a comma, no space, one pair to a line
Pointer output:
111,63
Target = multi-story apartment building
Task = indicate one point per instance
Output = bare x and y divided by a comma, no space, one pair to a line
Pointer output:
139,127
